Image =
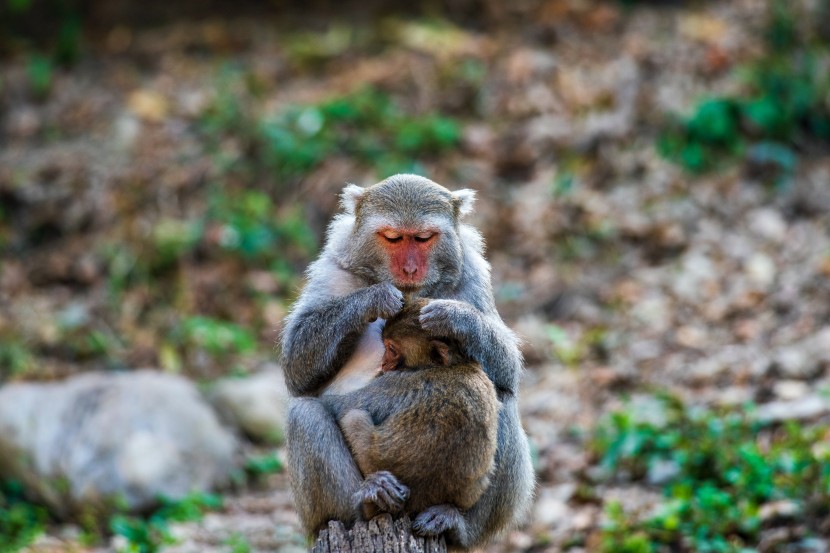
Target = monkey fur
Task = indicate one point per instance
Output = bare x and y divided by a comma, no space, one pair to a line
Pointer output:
429,419
404,233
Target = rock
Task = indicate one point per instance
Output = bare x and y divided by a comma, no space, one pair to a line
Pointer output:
795,362
654,312
148,105
662,471
784,508
89,442
790,389
552,505
768,223
761,270
802,408
697,273
257,405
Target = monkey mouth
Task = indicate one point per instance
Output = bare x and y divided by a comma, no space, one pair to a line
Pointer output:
408,287
409,284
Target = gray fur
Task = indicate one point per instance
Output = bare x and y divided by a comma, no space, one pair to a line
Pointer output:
347,287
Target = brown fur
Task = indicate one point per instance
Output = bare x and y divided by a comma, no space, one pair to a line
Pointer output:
437,430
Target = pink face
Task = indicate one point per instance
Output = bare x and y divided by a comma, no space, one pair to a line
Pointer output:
408,252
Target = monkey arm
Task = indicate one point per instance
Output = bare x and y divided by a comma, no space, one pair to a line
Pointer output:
384,395
321,334
484,337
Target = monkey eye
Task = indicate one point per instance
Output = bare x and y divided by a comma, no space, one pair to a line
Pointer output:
424,236
391,236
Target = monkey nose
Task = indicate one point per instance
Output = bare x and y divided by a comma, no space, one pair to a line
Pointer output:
410,268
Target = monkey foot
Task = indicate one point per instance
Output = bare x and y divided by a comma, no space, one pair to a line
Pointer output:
438,519
381,492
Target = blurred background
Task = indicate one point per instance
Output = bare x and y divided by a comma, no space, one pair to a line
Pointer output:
653,185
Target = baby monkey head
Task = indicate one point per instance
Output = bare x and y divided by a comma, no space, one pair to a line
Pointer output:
408,346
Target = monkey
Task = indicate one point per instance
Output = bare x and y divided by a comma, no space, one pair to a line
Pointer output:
429,418
403,235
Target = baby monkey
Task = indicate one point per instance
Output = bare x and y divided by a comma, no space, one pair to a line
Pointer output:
430,418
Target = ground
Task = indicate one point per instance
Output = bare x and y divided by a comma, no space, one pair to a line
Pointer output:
159,205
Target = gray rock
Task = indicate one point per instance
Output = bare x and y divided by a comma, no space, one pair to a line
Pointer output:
768,223
257,405
103,438
804,408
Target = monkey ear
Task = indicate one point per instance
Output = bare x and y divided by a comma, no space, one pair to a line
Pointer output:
463,200
391,356
440,352
350,198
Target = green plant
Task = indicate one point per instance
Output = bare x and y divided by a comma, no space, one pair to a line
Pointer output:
783,107
566,349
238,544
54,28
20,521
263,465
252,227
149,535
40,70
170,240
218,338
15,357
718,469
367,125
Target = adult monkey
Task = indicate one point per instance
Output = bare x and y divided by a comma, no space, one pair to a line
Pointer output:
403,234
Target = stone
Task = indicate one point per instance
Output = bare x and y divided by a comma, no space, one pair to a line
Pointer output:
256,405
552,505
761,270
98,440
791,389
768,223
796,361
803,408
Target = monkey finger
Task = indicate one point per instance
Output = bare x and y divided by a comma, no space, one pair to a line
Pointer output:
437,323
385,491
388,300
387,503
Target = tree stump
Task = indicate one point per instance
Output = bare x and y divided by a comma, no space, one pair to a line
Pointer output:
379,535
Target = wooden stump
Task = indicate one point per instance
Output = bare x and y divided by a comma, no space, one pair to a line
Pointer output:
379,535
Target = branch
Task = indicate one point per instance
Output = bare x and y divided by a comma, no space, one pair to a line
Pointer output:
379,535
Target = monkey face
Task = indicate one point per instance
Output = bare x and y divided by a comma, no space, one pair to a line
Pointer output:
408,252
406,232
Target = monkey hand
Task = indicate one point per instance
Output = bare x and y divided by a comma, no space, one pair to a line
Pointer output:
380,492
384,301
449,318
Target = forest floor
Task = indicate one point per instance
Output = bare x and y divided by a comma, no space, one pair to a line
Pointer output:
180,176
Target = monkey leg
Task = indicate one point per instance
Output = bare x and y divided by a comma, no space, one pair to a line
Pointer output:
508,498
323,475
358,428
325,480
380,491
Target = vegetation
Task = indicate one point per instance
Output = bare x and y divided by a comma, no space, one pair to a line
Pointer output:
724,475
149,535
784,108
20,521
366,124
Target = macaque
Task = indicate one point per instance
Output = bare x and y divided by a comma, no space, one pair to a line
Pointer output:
402,235
429,419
